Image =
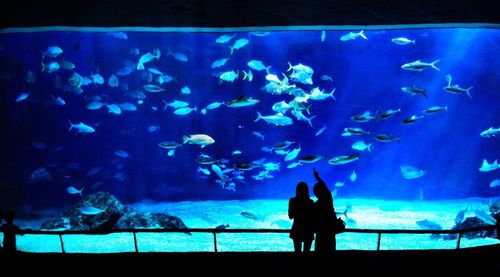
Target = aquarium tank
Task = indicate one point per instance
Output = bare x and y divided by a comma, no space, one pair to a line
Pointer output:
167,128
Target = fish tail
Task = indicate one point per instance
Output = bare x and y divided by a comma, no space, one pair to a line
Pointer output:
433,64
370,147
425,94
259,116
245,75
468,92
331,94
232,49
362,35
310,120
267,69
289,66
71,125
185,139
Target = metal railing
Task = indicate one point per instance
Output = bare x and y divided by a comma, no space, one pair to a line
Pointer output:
214,233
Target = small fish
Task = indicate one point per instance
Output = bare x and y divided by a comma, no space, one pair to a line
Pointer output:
361,146
435,109
122,153
320,131
323,36
200,139
89,210
353,176
326,78
185,90
81,127
73,190
23,96
495,183
52,52
402,41
411,119
351,36
491,132
238,44
258,134
224,38
419,65
153,128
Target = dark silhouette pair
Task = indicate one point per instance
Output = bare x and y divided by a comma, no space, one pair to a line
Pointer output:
312,217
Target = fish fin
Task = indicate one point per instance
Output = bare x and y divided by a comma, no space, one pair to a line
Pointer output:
267,69
433,64
362,34
259,116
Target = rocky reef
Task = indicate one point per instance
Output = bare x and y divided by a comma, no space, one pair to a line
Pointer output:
102,211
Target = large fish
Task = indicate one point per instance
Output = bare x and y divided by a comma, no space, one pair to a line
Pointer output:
200,139
277,119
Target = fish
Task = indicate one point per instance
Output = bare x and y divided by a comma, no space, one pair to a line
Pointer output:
224,38
219,63
326,78
52,66
282,144
238,44
153,88
185,90
258,65
320,131
323,36
90,210
350,131
292,154
242,101
250,215
175,104
73,190
153,128
418,65
364,117
81,127
169,144
428,225
277,119
352,35
184,110
361,146
156,54
344,159
414,91
203,170
122,153
178,56
353,176
435,109
386,138
485,166
117,35
281,107
52,52
248,75
113,81
258,134
229,76
411,119
491,132
200,139
310,158
23,96
495,183
402,41
410,172
387,114
456,89
114,109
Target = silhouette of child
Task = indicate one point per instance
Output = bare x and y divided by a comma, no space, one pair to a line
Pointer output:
9,233
300,209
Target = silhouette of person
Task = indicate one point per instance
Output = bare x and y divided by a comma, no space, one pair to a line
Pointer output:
324,215
9,233
300,208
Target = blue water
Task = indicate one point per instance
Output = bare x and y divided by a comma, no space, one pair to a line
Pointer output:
366,75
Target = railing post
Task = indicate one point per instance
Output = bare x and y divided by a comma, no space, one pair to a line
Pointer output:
135,243
215,241
459,239
379,234
62,244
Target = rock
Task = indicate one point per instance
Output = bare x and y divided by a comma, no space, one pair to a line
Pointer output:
114,216
136,220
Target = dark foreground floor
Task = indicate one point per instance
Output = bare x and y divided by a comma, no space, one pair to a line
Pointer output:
465,261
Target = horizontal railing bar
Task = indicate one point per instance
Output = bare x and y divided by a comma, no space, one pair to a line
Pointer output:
211,230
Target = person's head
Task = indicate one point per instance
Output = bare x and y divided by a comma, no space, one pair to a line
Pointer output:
302,190
9,216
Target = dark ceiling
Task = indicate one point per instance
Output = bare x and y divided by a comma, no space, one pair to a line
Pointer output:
227,13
